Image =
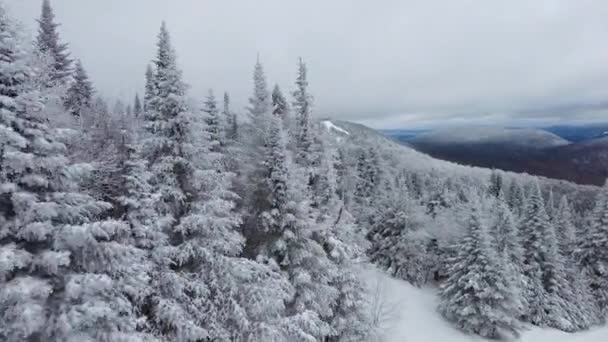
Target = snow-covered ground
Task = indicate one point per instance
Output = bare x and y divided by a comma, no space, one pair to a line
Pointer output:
405,313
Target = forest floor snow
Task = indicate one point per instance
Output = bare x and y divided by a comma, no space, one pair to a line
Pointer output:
404,313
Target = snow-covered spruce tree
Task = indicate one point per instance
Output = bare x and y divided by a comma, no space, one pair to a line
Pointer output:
302,106
496,183
150,88
138,208
253,171
504,233
583,314
278,225
294,247
230,124
343,242
477,296
62,272
79,96
194,296
546,286
48,42
516,198
592,253
213,122
399,243
550,205
137,107
368,175
280,107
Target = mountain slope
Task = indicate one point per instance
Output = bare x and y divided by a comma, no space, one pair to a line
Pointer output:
398,156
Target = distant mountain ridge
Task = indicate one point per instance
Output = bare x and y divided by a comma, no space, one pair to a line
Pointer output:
520,137
578,133
534,151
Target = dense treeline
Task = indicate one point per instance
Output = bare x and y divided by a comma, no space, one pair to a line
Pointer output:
504,255
159,221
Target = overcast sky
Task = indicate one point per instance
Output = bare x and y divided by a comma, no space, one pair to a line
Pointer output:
389,64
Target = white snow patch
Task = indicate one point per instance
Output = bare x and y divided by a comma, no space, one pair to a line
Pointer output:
404,313
330,126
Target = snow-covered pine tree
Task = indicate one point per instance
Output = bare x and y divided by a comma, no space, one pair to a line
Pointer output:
496,183
477,296
212,120
368,175
550,205
280,107
137,107
150,88
516,197
62,271
79,96
592,253
344,242
254,171
399,242
504,233
260,102
302,106
48,42
230,124
194,298
293,245
278,222
583,314
546,286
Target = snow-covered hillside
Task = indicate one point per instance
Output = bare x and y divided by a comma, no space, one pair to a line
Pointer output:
400,157
521,137
406,313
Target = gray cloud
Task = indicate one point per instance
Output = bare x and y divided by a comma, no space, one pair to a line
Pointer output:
384,63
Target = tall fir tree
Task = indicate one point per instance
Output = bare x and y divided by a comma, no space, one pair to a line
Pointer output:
343,242
583,313
137,107
302,106
212,120
592,253
550,205
194,298
504,232
63,272
278,223
150,88
516,198
477,296
230,123
294,247
79,96
280,107
48,42
546,287
496,183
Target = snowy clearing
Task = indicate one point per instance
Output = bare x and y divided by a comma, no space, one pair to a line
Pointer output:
404,313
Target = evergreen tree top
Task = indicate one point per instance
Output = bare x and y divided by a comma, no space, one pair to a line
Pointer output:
48,42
